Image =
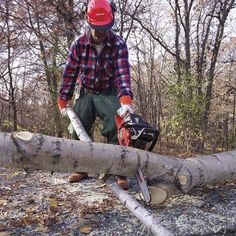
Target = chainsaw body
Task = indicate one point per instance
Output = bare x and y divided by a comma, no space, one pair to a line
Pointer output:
135,132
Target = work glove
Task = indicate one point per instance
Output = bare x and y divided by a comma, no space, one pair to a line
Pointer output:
62,106
124,109
126,106
63,112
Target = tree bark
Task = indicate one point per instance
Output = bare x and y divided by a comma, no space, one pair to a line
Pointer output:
171,175
149,220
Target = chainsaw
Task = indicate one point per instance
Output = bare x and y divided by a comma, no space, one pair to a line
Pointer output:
133,131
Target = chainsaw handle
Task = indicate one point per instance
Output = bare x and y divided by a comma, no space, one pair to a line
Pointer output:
156,134
148,129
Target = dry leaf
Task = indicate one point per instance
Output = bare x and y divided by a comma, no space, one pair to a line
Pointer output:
41,229
30,210
53,203
4,234
25,221
31,220
3,202
3,227
101,186
14,174
85,229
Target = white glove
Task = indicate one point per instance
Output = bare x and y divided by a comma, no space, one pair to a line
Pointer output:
63,112
122,111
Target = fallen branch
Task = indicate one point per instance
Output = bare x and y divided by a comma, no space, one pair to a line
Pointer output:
148,219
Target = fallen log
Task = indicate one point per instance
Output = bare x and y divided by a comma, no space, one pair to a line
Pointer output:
166,175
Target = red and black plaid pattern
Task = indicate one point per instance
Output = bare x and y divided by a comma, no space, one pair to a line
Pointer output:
95,72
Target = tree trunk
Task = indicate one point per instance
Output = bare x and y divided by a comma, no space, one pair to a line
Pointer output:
222,16
167,175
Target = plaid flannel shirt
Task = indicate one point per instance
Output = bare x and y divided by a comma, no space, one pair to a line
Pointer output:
98,73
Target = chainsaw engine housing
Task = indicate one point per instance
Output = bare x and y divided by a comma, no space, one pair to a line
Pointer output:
134,131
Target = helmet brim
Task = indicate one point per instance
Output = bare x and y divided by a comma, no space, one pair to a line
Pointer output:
102,27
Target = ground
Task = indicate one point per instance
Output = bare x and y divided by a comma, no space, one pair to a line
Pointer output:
42,203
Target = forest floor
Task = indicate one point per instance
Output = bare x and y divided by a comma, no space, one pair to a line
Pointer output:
42,203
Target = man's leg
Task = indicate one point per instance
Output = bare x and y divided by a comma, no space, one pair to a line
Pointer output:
106,107
85,110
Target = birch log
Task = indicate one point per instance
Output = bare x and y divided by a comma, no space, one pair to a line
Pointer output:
166,175
149,220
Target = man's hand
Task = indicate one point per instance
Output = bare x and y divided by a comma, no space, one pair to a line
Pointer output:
126,106
124,109
63,111
62,106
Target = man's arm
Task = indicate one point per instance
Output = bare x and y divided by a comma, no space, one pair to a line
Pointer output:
123,80
122,72
69,76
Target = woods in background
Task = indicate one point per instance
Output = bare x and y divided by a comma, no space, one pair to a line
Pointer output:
183,56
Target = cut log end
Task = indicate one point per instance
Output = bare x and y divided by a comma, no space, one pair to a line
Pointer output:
158,195
161,192
183,179
24,135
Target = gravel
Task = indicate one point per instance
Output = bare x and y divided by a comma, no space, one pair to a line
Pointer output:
42,203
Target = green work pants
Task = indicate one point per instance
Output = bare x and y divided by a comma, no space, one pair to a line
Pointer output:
103,105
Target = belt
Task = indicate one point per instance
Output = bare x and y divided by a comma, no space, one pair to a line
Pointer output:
92,91
96,92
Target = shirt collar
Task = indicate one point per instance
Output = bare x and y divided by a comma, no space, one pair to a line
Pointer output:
88,38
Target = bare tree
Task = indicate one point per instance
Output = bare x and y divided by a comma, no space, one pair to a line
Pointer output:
197,34
12,66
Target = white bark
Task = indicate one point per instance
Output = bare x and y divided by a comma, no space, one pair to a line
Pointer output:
170,174
36,151
78,127
152,223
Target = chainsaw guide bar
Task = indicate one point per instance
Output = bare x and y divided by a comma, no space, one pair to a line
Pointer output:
133,131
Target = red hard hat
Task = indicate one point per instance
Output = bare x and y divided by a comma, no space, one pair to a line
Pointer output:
100,14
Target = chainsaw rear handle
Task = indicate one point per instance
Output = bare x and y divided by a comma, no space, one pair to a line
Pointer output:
154,141
144,134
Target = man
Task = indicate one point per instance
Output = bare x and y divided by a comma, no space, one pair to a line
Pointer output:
98,64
